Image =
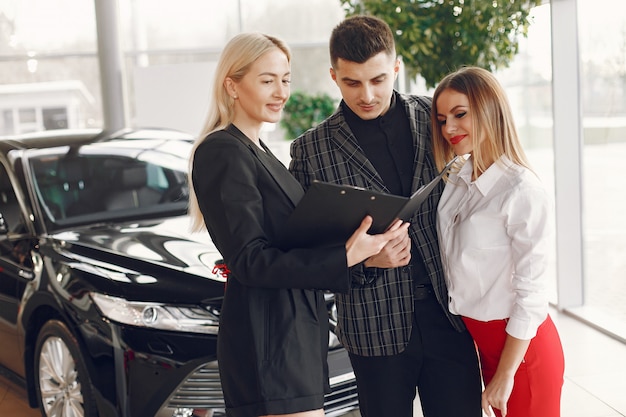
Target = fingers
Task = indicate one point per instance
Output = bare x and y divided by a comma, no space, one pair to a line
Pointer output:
362,245
488,404
397,230
401,243
395,253
485,406
399,249
366,223
394,226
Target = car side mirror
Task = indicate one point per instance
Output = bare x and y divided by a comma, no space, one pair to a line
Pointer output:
4,229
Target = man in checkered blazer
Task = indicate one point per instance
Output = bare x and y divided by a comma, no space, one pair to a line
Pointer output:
394,322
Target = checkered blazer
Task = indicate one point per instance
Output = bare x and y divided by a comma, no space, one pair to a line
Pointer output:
375,317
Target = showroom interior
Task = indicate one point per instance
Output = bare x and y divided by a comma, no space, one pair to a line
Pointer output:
109,64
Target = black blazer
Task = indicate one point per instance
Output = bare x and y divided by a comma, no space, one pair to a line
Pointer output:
271,319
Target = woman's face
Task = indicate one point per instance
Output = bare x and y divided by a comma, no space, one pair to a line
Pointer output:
263,91
455,121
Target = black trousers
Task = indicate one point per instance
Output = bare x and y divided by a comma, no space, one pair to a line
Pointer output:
439,362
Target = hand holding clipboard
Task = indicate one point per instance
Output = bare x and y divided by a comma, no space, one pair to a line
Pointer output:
330,213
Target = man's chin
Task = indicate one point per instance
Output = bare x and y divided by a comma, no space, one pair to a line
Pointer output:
368,115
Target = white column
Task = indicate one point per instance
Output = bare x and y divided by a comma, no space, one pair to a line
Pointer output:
567,152
112,70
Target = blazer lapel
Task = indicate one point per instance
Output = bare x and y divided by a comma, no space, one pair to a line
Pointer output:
418,145
346,143
290,186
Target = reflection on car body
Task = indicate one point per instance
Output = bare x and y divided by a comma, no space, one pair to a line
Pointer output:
107,302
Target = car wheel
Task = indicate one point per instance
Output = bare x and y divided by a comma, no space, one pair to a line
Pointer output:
63,385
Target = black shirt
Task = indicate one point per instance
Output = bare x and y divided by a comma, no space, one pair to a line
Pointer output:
388,144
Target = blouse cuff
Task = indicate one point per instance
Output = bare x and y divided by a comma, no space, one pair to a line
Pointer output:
522,329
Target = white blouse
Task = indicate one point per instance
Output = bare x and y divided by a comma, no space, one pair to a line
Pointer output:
494,235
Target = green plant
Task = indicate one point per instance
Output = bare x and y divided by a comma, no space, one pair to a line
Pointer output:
435,37
304,111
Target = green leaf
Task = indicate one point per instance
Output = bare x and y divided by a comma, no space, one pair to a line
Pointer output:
304,111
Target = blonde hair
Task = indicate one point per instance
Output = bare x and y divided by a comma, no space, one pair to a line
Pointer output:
235,61
494,133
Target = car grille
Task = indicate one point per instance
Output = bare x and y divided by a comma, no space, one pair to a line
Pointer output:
202,390
343,397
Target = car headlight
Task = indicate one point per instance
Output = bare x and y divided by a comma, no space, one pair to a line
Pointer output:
158,316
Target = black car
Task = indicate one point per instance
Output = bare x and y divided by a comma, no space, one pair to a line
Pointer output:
109,306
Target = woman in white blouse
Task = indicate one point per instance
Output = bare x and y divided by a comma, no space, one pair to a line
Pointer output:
494,224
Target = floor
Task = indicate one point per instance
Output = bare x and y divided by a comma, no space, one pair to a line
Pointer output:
595,375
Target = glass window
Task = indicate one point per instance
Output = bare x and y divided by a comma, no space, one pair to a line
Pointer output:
602,49
153,33
14,247
528,84
27,116
54,118
8,127
45,52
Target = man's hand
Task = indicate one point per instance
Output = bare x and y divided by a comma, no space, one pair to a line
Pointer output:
397,252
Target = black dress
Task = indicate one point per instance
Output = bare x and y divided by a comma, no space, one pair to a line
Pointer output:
273,337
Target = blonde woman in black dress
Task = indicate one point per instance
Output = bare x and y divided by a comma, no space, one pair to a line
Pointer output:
273,336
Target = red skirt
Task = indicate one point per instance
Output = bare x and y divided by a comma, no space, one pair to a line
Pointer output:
539,378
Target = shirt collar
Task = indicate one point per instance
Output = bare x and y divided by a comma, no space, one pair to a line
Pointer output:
487,179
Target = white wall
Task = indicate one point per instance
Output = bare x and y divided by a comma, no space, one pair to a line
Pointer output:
173,96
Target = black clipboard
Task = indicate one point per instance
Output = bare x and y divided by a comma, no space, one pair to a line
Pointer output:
329,213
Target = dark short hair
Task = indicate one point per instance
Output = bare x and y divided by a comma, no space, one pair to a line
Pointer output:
358,38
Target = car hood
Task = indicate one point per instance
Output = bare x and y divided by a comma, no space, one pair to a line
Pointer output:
155,260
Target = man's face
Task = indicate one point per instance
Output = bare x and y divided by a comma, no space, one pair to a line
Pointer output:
367,88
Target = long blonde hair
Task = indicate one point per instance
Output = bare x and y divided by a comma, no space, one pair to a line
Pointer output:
235,61
494,133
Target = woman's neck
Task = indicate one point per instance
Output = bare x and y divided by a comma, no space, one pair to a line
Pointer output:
250,130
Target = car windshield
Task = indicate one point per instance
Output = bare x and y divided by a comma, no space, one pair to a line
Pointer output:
110,181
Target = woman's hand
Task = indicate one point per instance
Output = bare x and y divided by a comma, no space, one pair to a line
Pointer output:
497,393
362,245
498,390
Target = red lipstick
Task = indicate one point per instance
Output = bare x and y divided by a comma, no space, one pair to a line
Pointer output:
456,139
